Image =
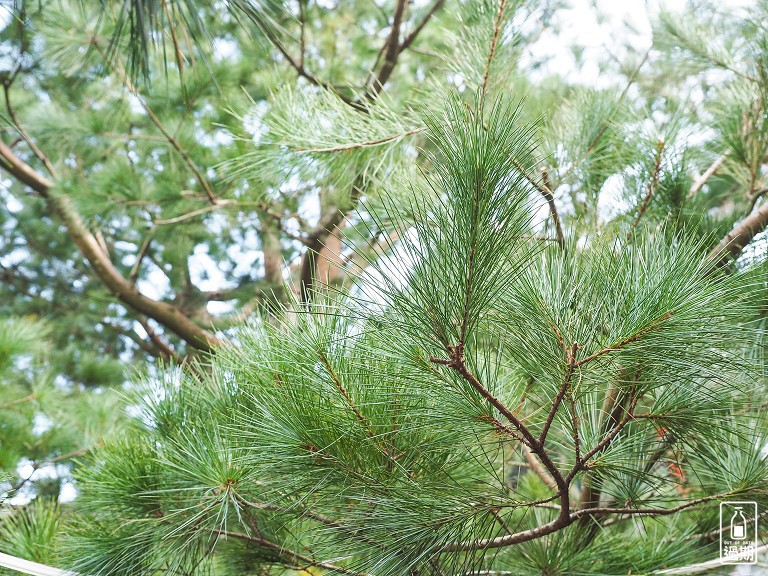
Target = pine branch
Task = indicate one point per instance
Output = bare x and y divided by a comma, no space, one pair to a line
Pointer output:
293,559
563,521
492,51
708,173
392,51
409,39
499,426
732,245
164,313
653,326
540,470
651,187
121,73
358,145
536,446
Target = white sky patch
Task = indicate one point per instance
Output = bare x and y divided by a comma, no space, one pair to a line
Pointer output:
135,105
41,424
68,492
155,285
225,49
26,469
253,121
14,258
216,308
611,202
373,286
599,27
204,271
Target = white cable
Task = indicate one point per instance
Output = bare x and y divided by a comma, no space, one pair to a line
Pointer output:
32,568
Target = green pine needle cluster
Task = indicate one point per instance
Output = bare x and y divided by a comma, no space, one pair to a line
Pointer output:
429,422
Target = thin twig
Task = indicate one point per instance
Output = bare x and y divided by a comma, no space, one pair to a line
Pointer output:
357,145
174,39
299,66
296,560
302,31
120,71
575,425
546,191
387,451
651,187
492,52
708,173
570,355
655,325
408,40
23,133
134,274
600,446
340,387
654,511
194,213
165,348
27,398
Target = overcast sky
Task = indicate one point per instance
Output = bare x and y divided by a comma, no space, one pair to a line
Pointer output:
601,25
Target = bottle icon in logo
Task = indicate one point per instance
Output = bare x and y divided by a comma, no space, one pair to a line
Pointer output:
738,525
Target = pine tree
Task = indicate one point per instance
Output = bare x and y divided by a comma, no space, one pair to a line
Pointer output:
119,189
503,404
475,369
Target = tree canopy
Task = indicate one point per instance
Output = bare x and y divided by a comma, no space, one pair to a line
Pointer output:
366,288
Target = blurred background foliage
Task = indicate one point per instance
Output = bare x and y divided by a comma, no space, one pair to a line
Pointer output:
220,155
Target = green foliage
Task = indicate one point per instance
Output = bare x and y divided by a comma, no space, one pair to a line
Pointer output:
316,137
374,429
513,354
45,421
32,532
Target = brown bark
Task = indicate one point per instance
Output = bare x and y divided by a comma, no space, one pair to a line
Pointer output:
329,260
164,313
742,234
